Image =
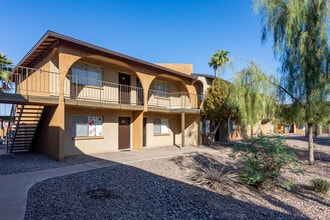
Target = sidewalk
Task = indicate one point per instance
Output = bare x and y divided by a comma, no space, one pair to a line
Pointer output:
14,187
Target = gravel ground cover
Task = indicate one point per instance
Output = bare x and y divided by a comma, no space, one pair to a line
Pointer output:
29,161
167,189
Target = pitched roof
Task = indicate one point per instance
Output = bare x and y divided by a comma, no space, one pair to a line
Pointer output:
50,39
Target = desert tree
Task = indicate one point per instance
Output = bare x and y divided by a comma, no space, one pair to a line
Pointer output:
216,106
299,32
253,93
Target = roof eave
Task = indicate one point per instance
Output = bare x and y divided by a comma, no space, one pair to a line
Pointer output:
127,58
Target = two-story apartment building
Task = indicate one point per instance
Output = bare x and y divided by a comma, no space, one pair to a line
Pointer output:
73,98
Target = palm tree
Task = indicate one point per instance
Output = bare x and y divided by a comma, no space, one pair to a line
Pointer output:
4,73
218,60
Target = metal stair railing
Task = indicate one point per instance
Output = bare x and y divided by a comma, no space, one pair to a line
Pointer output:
10,124
13,137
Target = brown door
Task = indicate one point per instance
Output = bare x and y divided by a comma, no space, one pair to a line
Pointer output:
144,132
124,138
124,88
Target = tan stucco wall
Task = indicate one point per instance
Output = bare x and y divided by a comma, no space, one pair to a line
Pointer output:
192,130
3,128
183,68
55,138
166,139
174,136
47,135
110,126
267,128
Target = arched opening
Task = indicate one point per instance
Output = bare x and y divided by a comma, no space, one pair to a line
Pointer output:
168,92
97,78
199,91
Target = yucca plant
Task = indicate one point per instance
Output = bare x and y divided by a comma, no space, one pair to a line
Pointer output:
215,176
320,185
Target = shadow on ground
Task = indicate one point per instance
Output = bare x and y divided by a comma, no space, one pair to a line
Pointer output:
12,163
319,142
322,140
127,192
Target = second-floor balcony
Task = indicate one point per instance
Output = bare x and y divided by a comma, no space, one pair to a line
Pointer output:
43,87
88,91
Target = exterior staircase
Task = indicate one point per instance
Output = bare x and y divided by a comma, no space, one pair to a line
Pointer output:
23,127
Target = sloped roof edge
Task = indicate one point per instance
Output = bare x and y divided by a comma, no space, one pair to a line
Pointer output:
50,37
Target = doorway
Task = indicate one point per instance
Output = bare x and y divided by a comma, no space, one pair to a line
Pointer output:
124,134
124,88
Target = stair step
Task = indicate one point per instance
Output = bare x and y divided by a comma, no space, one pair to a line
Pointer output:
23,141
25,124
31,112
21,145
20,150
19,137
25,133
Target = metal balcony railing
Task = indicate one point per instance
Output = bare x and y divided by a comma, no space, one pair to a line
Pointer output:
29,81
43,83
177,100
80,88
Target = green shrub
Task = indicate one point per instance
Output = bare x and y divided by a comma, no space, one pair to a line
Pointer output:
263,160
320,185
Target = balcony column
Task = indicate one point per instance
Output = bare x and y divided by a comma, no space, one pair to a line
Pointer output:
137,130
183,123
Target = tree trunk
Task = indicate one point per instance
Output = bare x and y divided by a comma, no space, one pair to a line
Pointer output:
310,144
228,130
251,131
213,133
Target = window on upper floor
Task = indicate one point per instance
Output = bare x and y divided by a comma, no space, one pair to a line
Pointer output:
86,74
161,89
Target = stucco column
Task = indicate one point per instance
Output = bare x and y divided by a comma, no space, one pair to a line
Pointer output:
183,123
146,81
137,130
65,63
59,115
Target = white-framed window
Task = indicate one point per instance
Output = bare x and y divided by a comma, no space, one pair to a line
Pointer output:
233,125
161,88
160,126
86,74
86,126
206,125
302,127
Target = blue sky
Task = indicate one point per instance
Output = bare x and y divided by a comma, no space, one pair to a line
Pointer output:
167,31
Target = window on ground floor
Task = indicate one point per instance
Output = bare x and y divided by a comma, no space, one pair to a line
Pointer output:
302,127
86,126
233,125
160,126
206,125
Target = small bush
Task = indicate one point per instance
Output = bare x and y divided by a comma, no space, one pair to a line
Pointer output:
263,160
320,185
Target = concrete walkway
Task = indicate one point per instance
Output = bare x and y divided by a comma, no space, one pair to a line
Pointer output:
14,187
